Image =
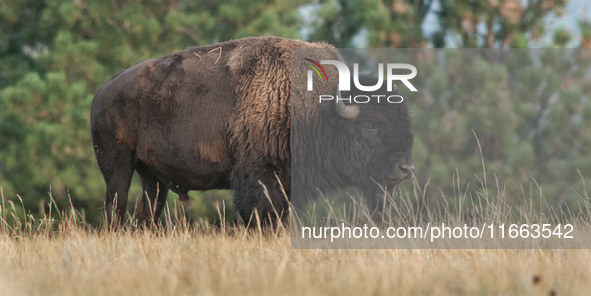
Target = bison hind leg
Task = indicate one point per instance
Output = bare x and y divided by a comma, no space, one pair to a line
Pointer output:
153,197
117,169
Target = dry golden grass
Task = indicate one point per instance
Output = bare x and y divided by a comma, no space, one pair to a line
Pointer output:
66,256
78,261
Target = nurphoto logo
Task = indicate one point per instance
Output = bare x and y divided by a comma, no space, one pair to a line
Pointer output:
345,81
345,75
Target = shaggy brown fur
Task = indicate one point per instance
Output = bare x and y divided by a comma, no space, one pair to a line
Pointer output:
209,117
220,117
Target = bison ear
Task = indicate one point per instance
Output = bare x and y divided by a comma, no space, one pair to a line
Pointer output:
344,111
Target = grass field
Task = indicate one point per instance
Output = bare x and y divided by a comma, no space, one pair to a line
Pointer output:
66,256
204,261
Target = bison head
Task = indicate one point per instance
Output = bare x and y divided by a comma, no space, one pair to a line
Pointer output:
367,145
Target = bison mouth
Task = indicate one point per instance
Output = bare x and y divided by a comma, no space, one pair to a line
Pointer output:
397,173
394,182
401,170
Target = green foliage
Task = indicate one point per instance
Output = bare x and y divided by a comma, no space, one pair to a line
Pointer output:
561,37
399,23
529,109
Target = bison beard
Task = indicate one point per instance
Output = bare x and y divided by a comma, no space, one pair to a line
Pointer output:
220,117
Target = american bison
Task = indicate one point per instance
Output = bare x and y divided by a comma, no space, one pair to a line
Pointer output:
220,117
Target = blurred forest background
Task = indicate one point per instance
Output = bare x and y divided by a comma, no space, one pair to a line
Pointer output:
55,54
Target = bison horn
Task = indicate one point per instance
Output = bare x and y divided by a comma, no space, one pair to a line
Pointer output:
347,112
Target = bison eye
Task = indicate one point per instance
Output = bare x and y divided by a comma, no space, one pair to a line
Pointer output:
370,130
372,127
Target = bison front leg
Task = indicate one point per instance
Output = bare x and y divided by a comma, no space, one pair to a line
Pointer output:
262,195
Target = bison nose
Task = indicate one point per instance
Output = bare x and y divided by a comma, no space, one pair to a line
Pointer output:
407,169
